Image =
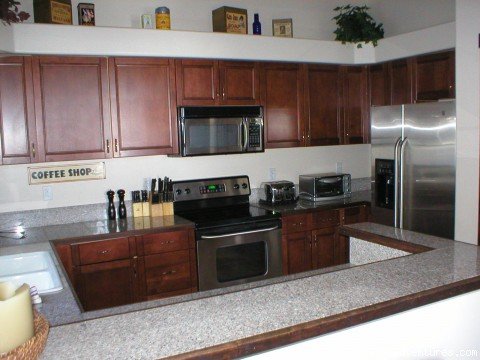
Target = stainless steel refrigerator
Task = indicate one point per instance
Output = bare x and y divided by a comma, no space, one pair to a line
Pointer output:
413,167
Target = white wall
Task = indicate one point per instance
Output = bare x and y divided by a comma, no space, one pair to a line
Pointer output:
468,116
447,329
404,16
311,18
133,173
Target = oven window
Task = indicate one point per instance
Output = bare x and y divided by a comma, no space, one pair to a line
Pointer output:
241,261
329,187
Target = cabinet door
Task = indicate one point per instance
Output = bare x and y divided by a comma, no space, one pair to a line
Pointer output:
356,214
106,285
18,142
168,274
239,83
71,108
400,82
282,98
355,105
197,82
434,76
298,247
142,93
323,105
378,85
323,247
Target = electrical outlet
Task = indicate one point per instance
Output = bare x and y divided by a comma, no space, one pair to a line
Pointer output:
272,174
47,193
339,167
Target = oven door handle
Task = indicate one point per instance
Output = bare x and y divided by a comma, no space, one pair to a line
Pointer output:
236,234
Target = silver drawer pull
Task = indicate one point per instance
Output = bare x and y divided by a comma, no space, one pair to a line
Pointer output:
240,233
167,242
171,272
103,252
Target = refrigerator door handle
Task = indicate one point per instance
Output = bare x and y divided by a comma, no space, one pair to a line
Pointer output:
396,182
400,195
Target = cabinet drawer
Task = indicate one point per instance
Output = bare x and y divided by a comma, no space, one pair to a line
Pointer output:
295,223
325,219
167,272
165,242
102,251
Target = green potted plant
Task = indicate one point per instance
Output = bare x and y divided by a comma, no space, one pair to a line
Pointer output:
355,25
9,12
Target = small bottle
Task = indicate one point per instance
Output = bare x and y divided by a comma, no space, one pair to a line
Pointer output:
162,18
111,206
257,26
122,210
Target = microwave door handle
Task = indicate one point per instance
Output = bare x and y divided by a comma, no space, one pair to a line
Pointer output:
237,234
245,135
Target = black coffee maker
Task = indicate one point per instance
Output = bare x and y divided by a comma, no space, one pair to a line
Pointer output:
385,183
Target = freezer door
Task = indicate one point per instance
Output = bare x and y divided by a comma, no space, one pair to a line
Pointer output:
386,130
428,165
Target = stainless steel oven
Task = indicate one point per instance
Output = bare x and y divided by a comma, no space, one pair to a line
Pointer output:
235,255
211,130
236,242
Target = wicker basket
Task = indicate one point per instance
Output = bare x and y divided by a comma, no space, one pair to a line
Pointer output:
32,348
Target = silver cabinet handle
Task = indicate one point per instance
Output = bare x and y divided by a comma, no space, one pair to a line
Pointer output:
240,233
396,181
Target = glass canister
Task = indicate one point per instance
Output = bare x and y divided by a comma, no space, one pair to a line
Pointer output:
162,16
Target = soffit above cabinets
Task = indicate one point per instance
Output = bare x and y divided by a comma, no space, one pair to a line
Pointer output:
109,41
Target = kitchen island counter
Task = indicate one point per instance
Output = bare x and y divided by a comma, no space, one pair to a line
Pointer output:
269,316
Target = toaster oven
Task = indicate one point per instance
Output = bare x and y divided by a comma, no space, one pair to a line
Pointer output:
327,186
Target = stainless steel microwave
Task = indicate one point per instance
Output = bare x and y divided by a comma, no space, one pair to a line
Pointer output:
210,130
327,186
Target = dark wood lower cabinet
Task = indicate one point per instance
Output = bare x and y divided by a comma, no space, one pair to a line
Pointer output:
119,271
106,284
311,240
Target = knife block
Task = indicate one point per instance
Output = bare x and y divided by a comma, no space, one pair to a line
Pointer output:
137,210
155,209
167,208
146,208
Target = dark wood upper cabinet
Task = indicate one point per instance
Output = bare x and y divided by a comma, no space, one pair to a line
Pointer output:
142,93
378,85
239,83
17,119
212,82
72,108
197,82
282,97
355,105
434,76
400,82
323,102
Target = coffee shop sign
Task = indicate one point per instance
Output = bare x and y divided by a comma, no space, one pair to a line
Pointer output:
66,173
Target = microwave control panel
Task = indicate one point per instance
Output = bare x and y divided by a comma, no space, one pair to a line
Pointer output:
255,134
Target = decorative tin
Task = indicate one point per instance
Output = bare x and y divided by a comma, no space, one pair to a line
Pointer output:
53,11
230,20
86,14
162,17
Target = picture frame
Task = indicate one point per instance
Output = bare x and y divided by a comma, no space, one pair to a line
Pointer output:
282,27
86,14
147,21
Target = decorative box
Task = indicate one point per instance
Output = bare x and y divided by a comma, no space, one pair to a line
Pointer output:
230,20
53,11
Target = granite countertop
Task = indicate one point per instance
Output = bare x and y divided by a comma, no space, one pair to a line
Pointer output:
234,320
356,198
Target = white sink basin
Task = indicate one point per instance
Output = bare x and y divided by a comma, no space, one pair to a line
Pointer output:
35,269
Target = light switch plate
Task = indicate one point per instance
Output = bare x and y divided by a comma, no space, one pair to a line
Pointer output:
47,193
272,174
339,167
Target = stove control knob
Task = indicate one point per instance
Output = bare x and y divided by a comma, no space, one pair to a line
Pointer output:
187,191
178,191
236,186
244,185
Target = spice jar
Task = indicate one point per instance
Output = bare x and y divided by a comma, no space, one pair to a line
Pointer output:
162,16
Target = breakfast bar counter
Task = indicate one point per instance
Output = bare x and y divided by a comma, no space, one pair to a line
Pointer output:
268,315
